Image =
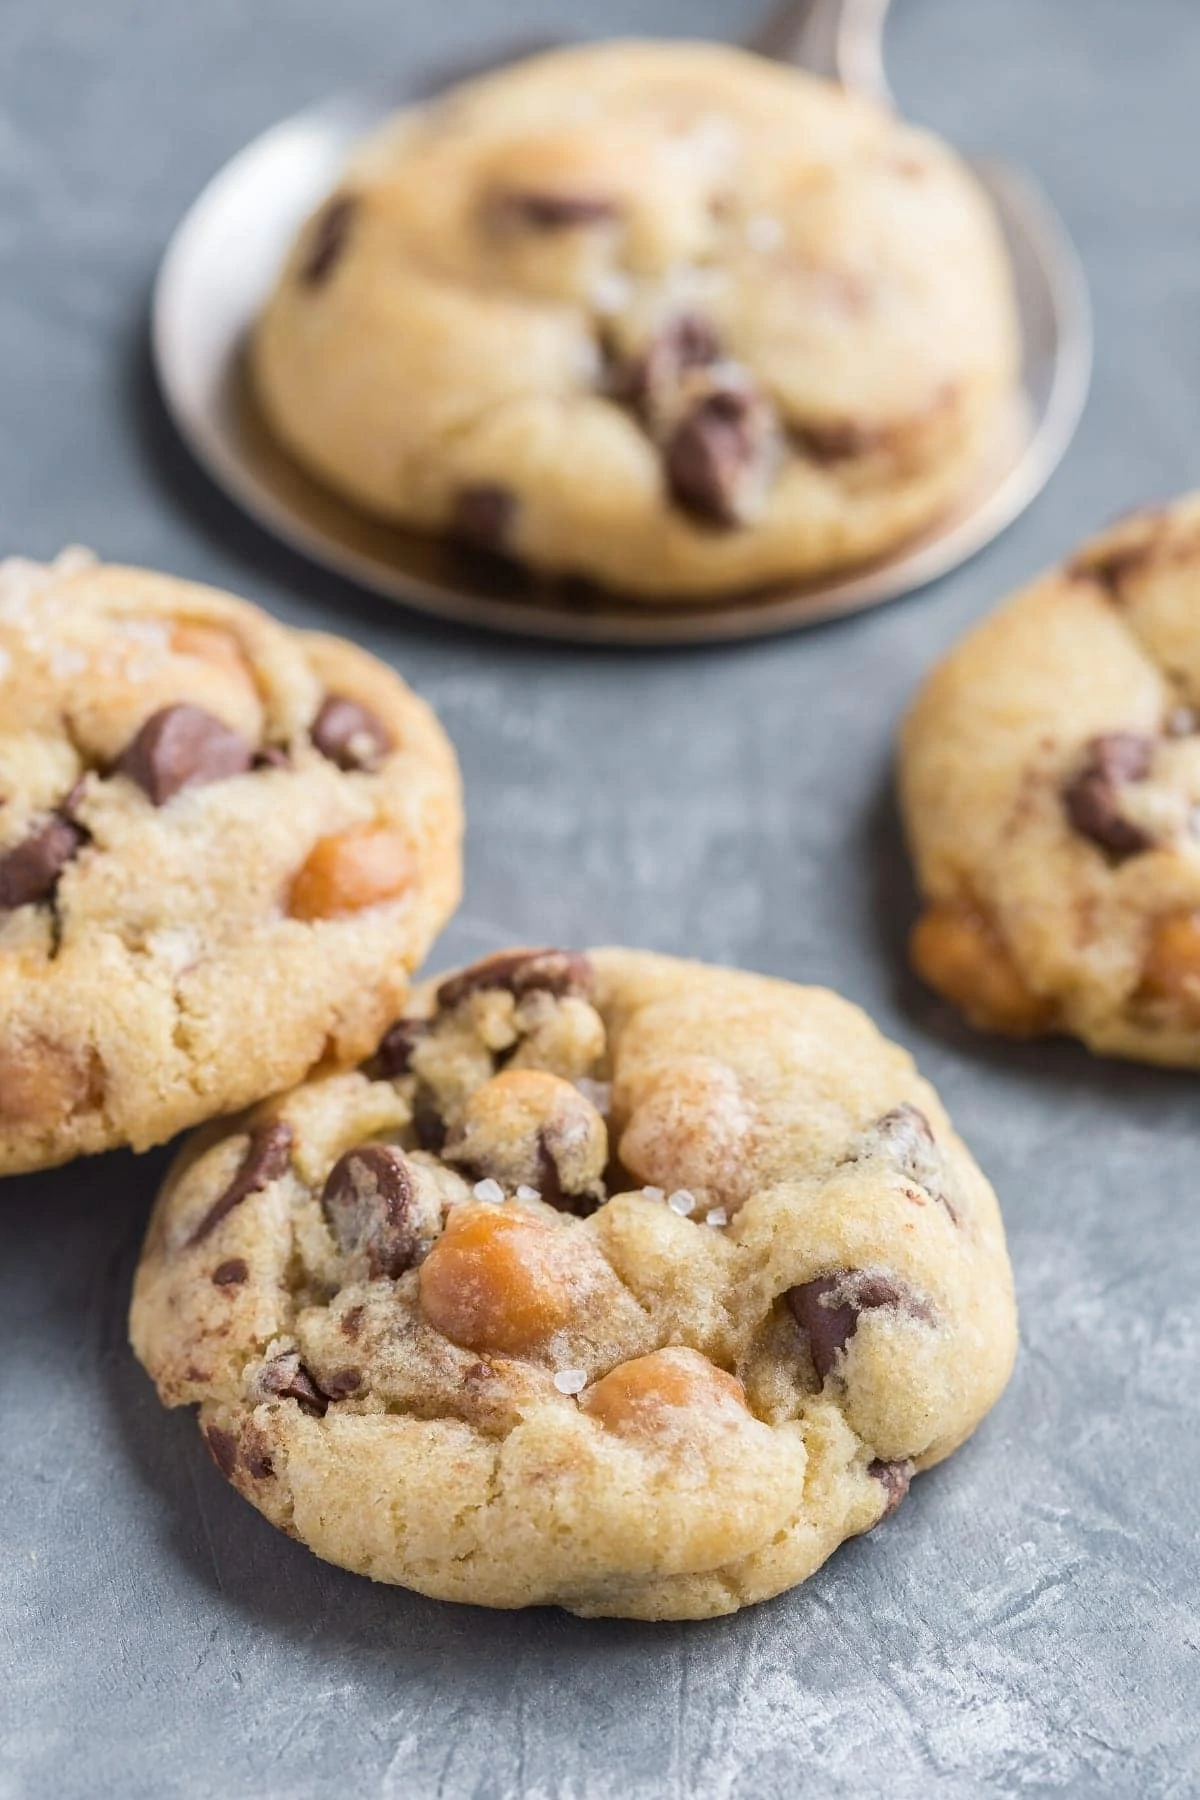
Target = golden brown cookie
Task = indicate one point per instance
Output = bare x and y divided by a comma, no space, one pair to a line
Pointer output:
223,847
668,316
617,1282
1050,776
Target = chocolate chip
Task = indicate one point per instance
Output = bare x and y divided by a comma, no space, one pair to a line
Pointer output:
428,1123
828,1309
397,1045
330,231
272,756
30,870
717,454
231,1273
646,381
484,515
557,972
256,1456
546,211
908,1138
550,1185
894,1478
349,735
286,1378
267,1156
370,1203
223,1448
1092,796
351,1322
183,746
346,1381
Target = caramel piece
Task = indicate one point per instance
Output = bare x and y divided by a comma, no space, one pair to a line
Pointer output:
958,952
500,1279
1171,970
41,1084
635,1395
349,871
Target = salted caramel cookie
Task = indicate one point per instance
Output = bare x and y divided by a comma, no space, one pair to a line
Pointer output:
667,316
223,845
610,1281
1050,773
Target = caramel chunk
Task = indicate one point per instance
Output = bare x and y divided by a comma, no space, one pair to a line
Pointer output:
637,1397
349,871
525,1127
958,952
500,1279
42,1083
1171,970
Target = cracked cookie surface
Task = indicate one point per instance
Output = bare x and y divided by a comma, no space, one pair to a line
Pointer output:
611,1281
668,317
214,833
1050,780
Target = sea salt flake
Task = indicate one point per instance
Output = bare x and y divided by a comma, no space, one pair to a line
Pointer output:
681,1202
716,1215
598,1092
525,1192
571,1381
653,1193
489,1191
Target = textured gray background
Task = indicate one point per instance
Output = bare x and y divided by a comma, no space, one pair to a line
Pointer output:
1028,1623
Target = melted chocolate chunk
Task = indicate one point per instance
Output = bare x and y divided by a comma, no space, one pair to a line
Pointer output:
348,735
894,1478
30,870
267,1156
1092,796
183,746
370,1203
330,233
828,1309
397,1045
557,972
715,454
223,1448
684,343
483,516
231,1273
548,211
286,1378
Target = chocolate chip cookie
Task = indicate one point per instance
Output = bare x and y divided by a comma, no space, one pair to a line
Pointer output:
223,846
610,1281
667,316
1050,773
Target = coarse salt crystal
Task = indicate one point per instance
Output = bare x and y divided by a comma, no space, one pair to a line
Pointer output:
653,1193
764,233
525,1192
571,1381
489,1191
716,1215
681,1202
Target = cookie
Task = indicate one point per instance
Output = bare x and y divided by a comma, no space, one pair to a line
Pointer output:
665,316
1050,775
223,845
611,1281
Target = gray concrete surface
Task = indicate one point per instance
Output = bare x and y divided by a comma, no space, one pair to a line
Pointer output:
1028,1623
